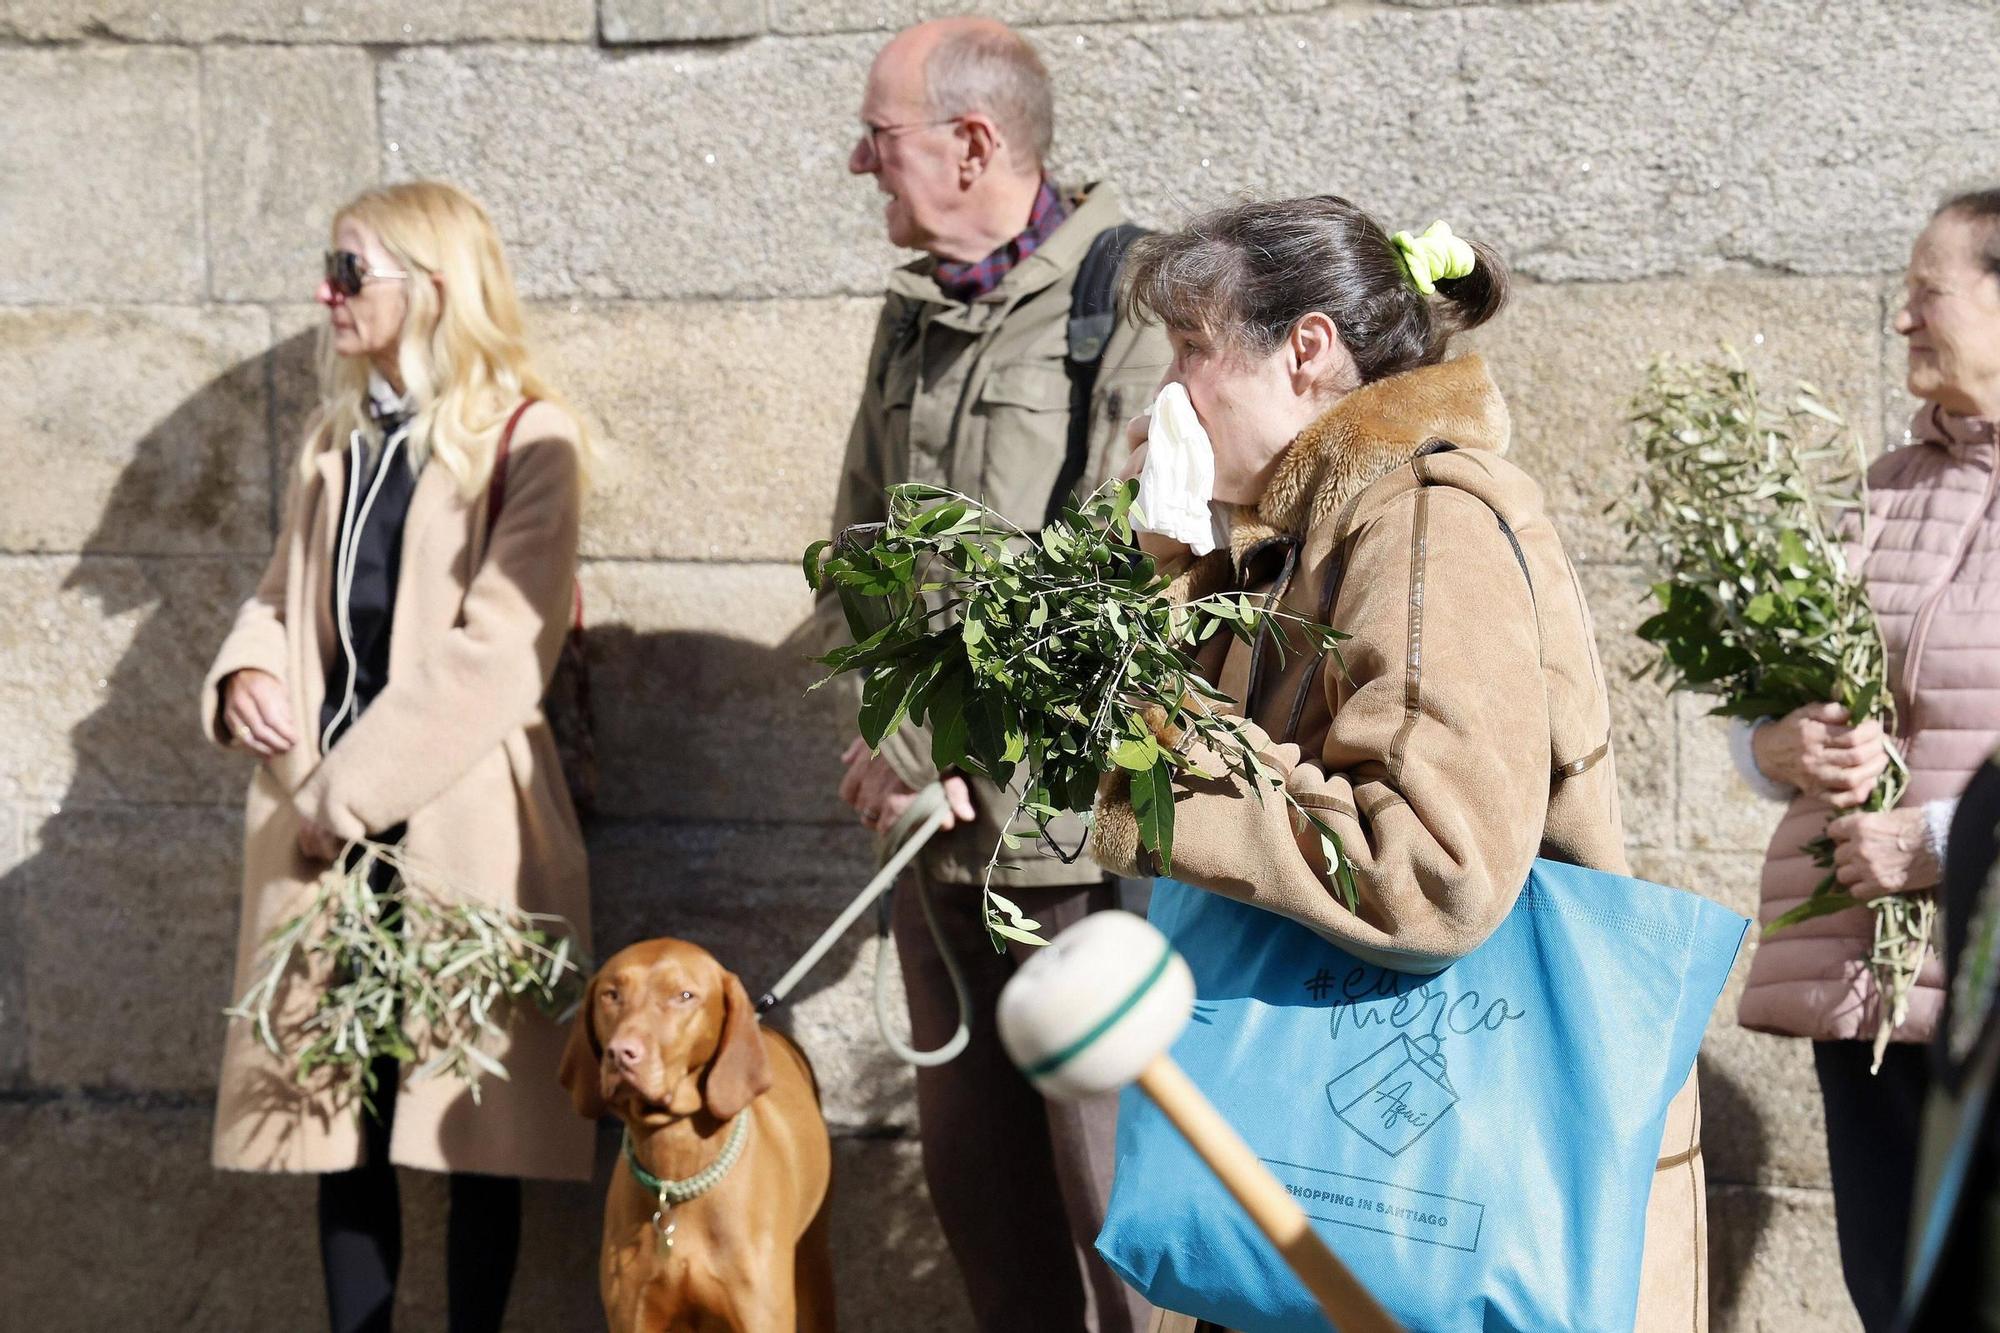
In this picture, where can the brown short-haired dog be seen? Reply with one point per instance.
(669, 1042)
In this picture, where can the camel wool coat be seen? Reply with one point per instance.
(455, 747)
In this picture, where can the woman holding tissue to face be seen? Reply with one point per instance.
(1360, 475)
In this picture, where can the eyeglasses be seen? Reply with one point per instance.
(346, 272)
(872, 134)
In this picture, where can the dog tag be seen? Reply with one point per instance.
(662, 1228)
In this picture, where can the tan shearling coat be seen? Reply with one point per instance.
(456, 747)
(1469, 734)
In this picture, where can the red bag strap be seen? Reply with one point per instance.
(496, 487)
(496, 495)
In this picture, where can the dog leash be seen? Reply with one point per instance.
(920, 820)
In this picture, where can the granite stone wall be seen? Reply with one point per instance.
(669, 176)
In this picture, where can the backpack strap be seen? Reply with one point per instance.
(1093, 317)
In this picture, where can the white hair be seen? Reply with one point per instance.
(993, 71)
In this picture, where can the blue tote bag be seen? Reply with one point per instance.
(1477, 1144)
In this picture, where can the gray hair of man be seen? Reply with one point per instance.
(993, 71)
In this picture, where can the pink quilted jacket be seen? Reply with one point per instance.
(1932, 562)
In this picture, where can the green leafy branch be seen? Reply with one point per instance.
(416, 957)
(1738, 514)
(1053, 658)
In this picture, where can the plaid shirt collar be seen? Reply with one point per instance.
(968, 281)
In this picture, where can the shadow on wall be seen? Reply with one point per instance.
(1737, 1217)
(118, 934)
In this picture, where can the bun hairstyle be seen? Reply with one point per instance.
(1247, 273)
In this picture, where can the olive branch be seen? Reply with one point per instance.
(414, 956)
(1738, 515)
(1053, 657)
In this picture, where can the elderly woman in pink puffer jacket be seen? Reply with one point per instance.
(1931, 557)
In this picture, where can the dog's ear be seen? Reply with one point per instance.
(582, 1062)
(740, 1069)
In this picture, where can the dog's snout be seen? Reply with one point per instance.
(626, 1051)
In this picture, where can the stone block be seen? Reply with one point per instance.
(1763, 1121)
(700, 680)
(555, 1285)
(98, 1186)
(290, 138)
(623, 21)
(1718, 810)
(1774, 1262)
(13, 957)
(715, 171)
(129, 931)
(375, 22)
(295, 335)
(718, 428)
(1570, 358)
(1578, 146)
(1570, 136)
(891, 1268)
(123, 1184)
(167, 456)
(756, 896)
(102, 160)
(105, 655)
(1642, 734)
(822, 16)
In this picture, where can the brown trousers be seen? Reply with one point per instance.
(1019, 1182)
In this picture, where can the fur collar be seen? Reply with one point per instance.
(1366, 436)
(1355, 443)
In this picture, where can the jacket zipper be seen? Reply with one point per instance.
(1927, 609)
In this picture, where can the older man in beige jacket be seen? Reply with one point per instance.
(976, 382)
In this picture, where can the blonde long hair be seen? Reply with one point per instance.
(463, 355)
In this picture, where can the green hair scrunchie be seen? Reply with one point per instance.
(1434, 256)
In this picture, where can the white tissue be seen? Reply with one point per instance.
(1178, 480)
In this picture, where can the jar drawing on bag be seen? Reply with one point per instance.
(1396, 1095)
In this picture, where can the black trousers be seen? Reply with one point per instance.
(1872, 1125)
(361, 1229)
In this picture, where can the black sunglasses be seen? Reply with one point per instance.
(346, 272)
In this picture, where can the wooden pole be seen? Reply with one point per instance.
(1345, 1301)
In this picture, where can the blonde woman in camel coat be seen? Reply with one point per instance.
(387, 677)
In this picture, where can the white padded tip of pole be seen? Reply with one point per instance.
(1091, 1010)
